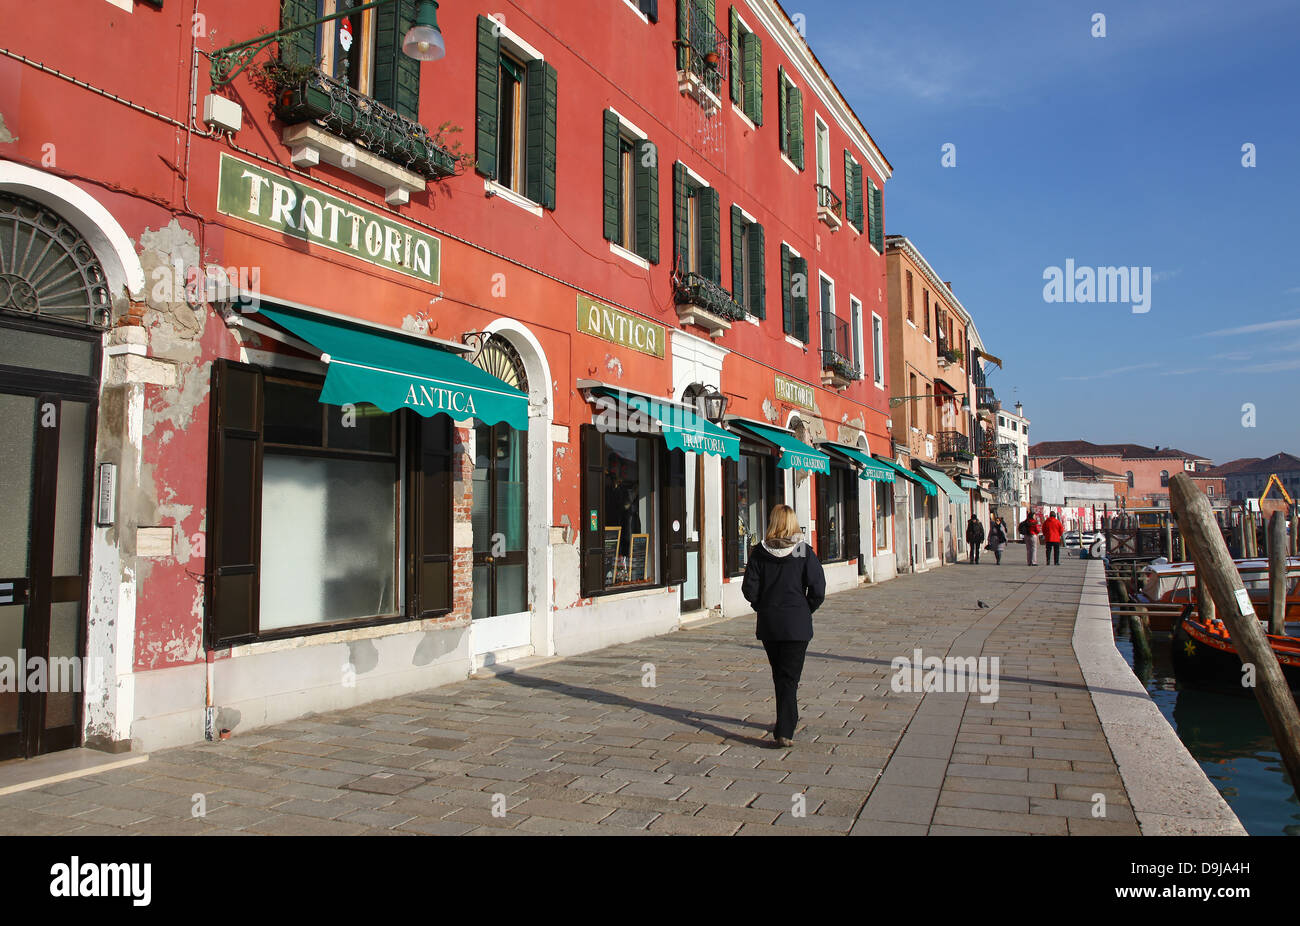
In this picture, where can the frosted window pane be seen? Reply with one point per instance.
(70, 495)
(18, 418)
(512, 589)
(328, 540)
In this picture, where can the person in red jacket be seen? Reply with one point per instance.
(1052, 531)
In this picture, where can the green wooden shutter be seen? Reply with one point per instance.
(730, 517)
(738, 256)
(710, 212)
(485, 122)
(795, 107)
(757, 278)
(877, 218)
(591, 517)
(298, 49)
(848, 189)
(857, 196)
(683, 34)
(681, 237)
(540, 88)
(752, 53)
(799, 272)
(430, 579)
(397, 77)
(782, 110)
(646, 181)
(672, 520)
(611, 175)
(651, 9)
(234, 504)
(733, 70)
(787, 300)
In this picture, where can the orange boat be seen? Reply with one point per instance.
(1203, 652)
(1175, 583)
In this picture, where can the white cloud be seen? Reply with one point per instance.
(1278, 325)
(1104, 374)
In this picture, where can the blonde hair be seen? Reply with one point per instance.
(782, 523)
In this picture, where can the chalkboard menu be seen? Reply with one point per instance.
(639, 569)
(612, 537)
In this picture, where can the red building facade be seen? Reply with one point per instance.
(406, 374)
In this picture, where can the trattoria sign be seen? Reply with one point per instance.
(794, 392)
(248, 192)
(610, 324)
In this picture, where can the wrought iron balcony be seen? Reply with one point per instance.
(830, 208)
(317, 97)
(838, 368)
(955, 445)
(702, 50)
(701, 301)
(984, 398)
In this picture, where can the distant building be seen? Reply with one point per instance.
(1078, 492)
(1013, 453)
(1146, 470)
(1247, 477)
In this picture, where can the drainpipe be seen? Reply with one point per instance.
(210, 710)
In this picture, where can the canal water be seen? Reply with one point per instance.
(1228, 736)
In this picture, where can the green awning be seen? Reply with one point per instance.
(955, 492)
(871, 470)
(682, 429)
(968, 482)
(390, 372)
(795, 454)
(929, 487)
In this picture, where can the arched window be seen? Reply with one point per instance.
(1164, 477)
(1129, 475)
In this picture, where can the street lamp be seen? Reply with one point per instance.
(898, 400)
(423, 41)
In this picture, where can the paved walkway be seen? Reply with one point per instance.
(582, 746)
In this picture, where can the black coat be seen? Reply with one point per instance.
(974, 532)
(785, 591)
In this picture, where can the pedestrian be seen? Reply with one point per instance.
(785, 584)
(1029, 531)
(974, 537)
(997, 538)
(1052, 532)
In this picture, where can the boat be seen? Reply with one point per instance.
(1175, 583)
(1204, 653)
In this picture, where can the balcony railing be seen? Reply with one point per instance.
(703, 302)
(702, 48)
(837, 351)
(955, 445)
(828, 201)
(343, 111)
(984, 398)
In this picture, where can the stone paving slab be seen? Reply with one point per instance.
(579, 746)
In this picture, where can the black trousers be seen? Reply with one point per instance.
(1053, 549)
(786, 659)
(974, 551)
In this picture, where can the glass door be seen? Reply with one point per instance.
(500, 522)
(44, 480)
(691, 595)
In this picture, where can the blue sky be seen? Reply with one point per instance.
(1117, 151)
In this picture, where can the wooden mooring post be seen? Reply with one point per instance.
(1222, 581)
(1277, 574)
(1169, 539)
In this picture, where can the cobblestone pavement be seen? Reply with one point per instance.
(582, 746)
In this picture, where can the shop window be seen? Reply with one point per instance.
(837, 514)
(749, 491)
(633, 512)
(310, 509)
(884, 507)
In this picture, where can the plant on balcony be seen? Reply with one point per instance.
(304, 93)
(703, 292)
(837, 363)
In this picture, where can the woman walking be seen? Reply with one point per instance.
(785, 584)
(1030, 529)
(997, 538)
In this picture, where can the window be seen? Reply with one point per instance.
(748, 284)
(790, 119)
(794, 294)
(853, 208)
(515, 120)
(746, 69)
(837, 514)
(352, 66)
(633, 491)
(697, 217)
(855, 331)
(823, 140)
(749, 491)
(631, 188)
(318, 517)
(878, 348)
(912, 418)
(911, 299)
(884, 508)
(925, 308)
(1164, 478)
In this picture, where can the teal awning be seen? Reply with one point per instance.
(390, 372)
(682, 429)
(871, 470)
(955, 492)
(795, 454)
(929, 487)
(968, 482)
